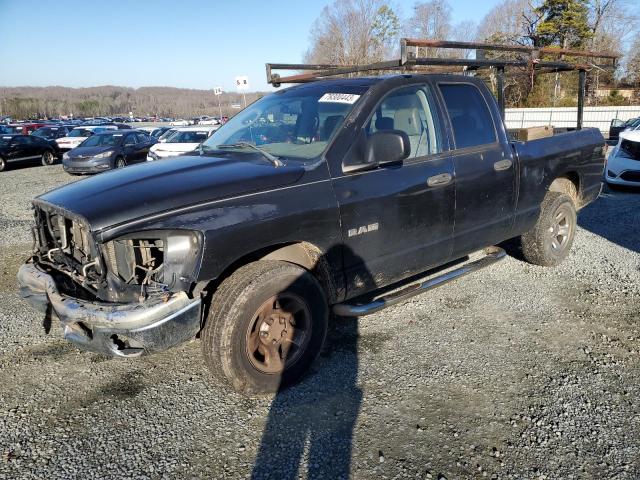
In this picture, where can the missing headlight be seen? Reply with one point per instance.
(158, 260)
(135, 260)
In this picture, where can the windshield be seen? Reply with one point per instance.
(296, 124)
(46, 132)
(80, 132)
(629, 149)
(102, 140)
(167, 134)
(188, 137)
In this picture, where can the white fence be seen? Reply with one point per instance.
(598, 117)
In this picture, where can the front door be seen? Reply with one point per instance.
(397, 220)
(485, 170)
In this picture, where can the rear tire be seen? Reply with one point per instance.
(48, 158)
(267, 324)
(548, 243)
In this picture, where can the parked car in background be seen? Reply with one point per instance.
(618, 126)
(108, 150)
(208, 121)
(182, 141)
(27, 127)
(6, 130)
(14, 148)
(79, 135)
(51, 134)
(179, 123)
(623, 164)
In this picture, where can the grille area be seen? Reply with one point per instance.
(631, 176)
(65, 243)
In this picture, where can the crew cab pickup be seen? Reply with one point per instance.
(331, 195)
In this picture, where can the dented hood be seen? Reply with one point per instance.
(118, 196)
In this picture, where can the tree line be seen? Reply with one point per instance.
(50, 102)
(363, 31)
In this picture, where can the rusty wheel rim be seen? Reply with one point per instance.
(278, 333)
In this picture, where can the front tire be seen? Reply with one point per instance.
(548, 243)
(267, 324)
(3, 164)
(120, 162)
(48, 158)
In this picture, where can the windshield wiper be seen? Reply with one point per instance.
(272, 158)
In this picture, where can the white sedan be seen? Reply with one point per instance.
(183, 140)
(179, 123)
(623, 164)
(79, 135)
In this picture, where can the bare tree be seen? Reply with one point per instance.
(431, 21)
(353, 32)
(510, 22)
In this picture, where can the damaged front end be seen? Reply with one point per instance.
(129, 296)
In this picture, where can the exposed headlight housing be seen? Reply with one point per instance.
(155, 261)
(106, 154)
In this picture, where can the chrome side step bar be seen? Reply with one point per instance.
(492, 255)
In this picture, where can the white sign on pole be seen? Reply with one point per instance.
(242, 83)
(217, 90)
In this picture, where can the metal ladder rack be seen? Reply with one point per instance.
(410, 62)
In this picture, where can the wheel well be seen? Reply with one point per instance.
(568, 183)
(303, 254)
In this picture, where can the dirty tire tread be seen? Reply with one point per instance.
(225, 313)
(226, 294)
(533, 241)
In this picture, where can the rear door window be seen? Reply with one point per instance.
(469, 114)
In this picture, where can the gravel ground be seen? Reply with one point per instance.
(516, 372)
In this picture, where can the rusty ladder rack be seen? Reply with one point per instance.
(409, 60)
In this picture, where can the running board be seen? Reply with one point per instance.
(492, 255)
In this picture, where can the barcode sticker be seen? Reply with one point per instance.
(339, 98)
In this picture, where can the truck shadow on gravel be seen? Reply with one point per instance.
(310, 425)
(614, 217)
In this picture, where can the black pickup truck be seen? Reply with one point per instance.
(345, 194)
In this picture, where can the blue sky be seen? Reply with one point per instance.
(181, 43)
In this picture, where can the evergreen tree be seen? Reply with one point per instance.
(565, 23)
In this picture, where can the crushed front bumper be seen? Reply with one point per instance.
(123, 330)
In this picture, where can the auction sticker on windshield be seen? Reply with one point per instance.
(339, 98)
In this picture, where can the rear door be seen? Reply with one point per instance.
(131, 148)
(22, 148)
(142, 147)
(484, 167)
(397, 220)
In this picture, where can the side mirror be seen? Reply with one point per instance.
(382, 148)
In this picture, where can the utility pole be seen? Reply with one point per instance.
(217, 91)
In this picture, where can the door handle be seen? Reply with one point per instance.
(439, 180)
(502, 165)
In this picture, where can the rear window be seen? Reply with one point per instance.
(470, 116)
(188, 137)
(102, 141)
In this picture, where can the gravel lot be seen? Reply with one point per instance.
(516, 372)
